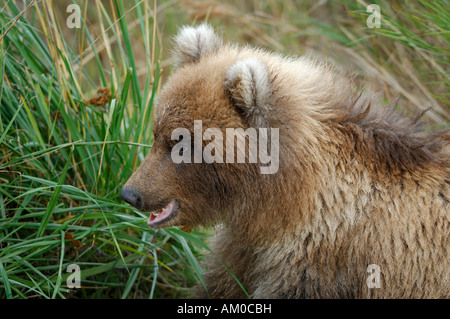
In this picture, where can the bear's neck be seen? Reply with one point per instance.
(319, 186)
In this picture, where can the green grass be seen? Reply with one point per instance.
(63, 162)
(64, 157)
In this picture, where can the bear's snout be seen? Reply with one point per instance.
(131, 197)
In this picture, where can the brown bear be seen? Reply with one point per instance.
(356, 207)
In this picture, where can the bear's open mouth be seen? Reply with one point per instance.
(163, 215)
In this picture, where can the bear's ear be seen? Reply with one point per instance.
(248, 87)
(191, 43)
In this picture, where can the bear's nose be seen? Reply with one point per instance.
(131, 197)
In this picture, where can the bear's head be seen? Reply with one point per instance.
(224, 87)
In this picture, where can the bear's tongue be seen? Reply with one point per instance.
(161, 214)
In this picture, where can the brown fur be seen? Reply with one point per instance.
(358, 184)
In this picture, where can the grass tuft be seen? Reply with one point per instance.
(74, 125)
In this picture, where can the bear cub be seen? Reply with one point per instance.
(315, 189)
